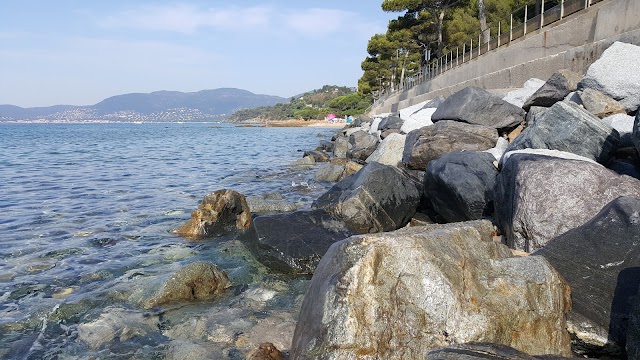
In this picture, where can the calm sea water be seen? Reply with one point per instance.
(86, 213)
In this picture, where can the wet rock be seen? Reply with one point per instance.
(294, 242)
(264, 205)
(461, 185)
(116, 325)
(362, 145)
(518, 97)
(477, 106)
(431, 142)
(318, 156)
(539, 197)
(568, 127)
(559, 85)
(223, 211)
(196, 281)
(604, 274)
(305, 161)
(266, 351)
(389, 152)
(329, 172)
(377, 198)
(599, 104)
(401, 294)
(615, 74)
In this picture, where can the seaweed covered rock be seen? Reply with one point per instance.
(223, 211)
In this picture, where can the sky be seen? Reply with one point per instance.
(78, 52)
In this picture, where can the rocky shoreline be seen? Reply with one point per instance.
(473, 227)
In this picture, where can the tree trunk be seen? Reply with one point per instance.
(483, 22)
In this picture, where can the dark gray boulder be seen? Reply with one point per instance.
(376, 198)
(390, 122)
(534, 113)
(362, 145)
(483, 351)
(477, 106)
(294, 242)
(539, 197)
(559, 85)
(601, 262)
(460, 185)
(633, 331)
(325, 145)
(635, 135)
(625, 167)
(568, 127)
(340, 147)
(430, 142)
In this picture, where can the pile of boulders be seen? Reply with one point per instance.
(550, 170)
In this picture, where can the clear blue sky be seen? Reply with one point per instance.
(79, 52)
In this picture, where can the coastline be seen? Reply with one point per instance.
(295, 123)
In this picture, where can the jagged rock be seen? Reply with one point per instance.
(294, 242)
(431, 142)
(601, 262)
(483, 351)
(116, 323)
(266, 351)
(196, 281)
(477, 106)
(392, 121)
(534, 113)
(568, 127)
(223, 211)
(340, 147)
(599, 104)
(389, 152)
(559, 85)
(401, 294)
(318, 156)
(539, 197)
(623, 124)
(460, 185)
(262, 205)
(376, 198)
(615, 74)
(518, 97)
(362, 145)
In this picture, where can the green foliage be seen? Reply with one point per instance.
(316, 104)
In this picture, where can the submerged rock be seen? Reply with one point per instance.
(114, 326)
(223, 211)
(266, 351)
(196, 281)
(401, 294)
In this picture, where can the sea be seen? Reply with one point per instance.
(86, 219)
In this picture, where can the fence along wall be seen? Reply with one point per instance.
(571, 43)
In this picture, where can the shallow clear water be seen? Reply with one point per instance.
(86, 213)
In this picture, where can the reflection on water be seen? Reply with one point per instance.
(87, 212)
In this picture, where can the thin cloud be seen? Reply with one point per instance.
(318, 21)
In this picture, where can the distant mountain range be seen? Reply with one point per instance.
(170, 106)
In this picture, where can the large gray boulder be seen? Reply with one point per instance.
(392, 121)
(599, 104)
(559, 85)
(568, 127)
(539, 197)
(294, 243)
(460, 185)
(341, 146)
(402, 294)
(389, 152)
(616, 74)
(376, 198)
(604, 275)
(431, 142)
(222, 211)
(477, 106)
(362, 145)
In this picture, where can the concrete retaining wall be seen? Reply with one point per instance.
(572, 43)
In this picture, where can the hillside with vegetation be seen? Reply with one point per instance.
(316, 104)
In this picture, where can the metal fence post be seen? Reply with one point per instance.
(463, 51)
(586, 4)
(561, 9)
(525, 20)
(479, 43)
(498, 34)
(489, 42)
(471, 51)
(511, 28)
(542, 15)
(457, 55)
